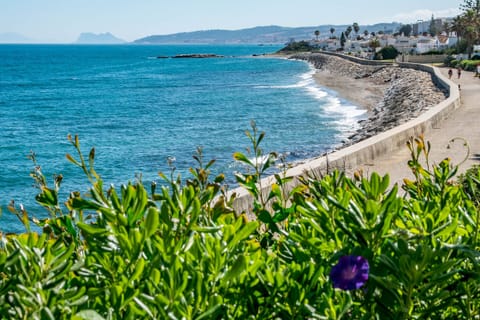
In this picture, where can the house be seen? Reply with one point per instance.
(426, 44)
(404, 44)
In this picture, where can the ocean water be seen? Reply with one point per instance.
(137, 111)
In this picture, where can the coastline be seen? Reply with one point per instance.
(392, 95)
(418, 99)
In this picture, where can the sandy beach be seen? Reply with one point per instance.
(363, 92)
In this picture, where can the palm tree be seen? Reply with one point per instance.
(317, 33)
(348, 31)
(471, 5)
(356, 28)
(467, 27)
(332, 31)
(446, 28)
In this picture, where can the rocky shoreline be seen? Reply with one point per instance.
(401, 94)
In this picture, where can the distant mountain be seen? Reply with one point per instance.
(12, 37)
(100, 38)
(265, 34)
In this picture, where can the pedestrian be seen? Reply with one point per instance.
(450, 72)
(459, 72)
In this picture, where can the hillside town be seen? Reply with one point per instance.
(436, 36)
(422, 37)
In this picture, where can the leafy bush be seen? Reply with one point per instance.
(470, 180)
(432, 52)
(330, 248)
(388, 52)
(469, 65)
(450, 61)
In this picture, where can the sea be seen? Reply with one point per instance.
(145, 112)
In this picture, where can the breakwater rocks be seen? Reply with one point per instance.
(192, 56)
(407, 92)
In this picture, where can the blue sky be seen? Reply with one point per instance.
(61, 21)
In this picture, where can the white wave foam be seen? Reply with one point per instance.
(307, 82)
(346, 114)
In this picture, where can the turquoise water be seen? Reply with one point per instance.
(137, 111)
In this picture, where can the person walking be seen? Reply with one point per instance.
(450, 72)
(459, 72)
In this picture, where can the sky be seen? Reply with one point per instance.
(61, 21)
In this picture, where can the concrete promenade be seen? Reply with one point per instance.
(463, 123)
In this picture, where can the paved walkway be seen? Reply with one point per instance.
(463, 123)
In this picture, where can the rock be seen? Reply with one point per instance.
(198, 55)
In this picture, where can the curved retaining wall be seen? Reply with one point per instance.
(368, 149)
(357, 60)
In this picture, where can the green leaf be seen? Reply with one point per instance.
(151, 222)
(87, 315)
(47, 197)
(238, 156)
(265, 217)
(139, 266)
(91, 229)
(238, 266)
(209, 314)
(72, 160)
(244, 233)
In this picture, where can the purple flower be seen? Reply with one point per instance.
(351, 272)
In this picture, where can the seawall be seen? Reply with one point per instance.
(366, 150)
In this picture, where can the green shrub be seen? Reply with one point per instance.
(388, 52)
(453, 63)
(469, 65)
(181, 252)
(470, 180)
(450, 61)
(432, 52)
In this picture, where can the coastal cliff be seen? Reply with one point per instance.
(396, 95)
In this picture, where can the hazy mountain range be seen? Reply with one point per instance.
(267, 34)
(12, 37)
(256, 35)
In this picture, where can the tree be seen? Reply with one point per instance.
(432, 28)
(468, 5)
(343, 39)
(406, 29)
(388, 52)
(332, 31)
(348, 31)
(467, 26)
(446, 28)
(317, 33)
(356, 28)
(374, 44)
